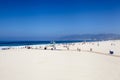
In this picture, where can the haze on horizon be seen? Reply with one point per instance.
(47, 19)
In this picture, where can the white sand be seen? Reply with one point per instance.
(62, 64)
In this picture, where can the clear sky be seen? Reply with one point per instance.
(45, 19)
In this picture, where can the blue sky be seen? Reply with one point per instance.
(47, 19)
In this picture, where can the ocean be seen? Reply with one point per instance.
(24, 43)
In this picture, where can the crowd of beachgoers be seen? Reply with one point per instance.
(103, 47)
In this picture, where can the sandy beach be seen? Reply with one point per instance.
(74, 61)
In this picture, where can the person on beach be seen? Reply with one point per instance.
(28, 47)
(111, 52)
(90, 49)
(51, 48)
(45, 48)
(54, 48)
(67, 48)
(78, 49)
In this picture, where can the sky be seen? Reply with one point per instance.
(48, 19)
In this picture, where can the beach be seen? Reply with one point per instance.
(73, 61)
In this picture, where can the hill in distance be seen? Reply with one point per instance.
(91, 37)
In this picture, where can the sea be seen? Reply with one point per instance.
(24, 43)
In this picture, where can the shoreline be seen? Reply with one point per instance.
(28, 43)
(71, 42)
